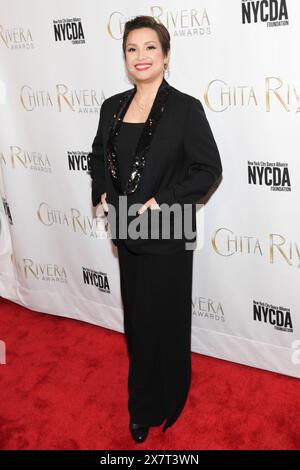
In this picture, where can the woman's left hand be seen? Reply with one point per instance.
(151, 203)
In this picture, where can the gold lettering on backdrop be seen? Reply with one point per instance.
(219, 96)
(274, 91)
(287, 250)
(15, 37)
(27, 158)
(228, 96)
(81, 100)
(74, 98)
(41, 270)
(226, 243)
(207, 305)
(115, 16)
(181, 23)
(48, 216)
(75, 220)
(180, 18)
(33, 99)
(234, 243)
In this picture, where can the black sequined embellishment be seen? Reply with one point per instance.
(144, 141)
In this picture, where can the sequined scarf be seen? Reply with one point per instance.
(144, 141)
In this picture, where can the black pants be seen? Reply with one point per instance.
(157, 299)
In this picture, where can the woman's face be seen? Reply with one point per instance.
(143, 47)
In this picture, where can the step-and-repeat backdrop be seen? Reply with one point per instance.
(59, 61)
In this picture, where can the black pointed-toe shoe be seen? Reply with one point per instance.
(139, 432)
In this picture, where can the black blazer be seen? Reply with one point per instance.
(176, 161)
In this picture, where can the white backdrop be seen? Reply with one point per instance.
(240, 58)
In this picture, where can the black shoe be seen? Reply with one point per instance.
(139, 432)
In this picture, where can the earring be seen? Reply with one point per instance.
(166, 68)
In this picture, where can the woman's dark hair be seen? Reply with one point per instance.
(147, 22)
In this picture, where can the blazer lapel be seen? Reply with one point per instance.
(144, 141)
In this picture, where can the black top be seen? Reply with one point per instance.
(126, 143)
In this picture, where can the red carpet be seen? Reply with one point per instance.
(65, 387)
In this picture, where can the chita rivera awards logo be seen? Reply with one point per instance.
(16, 38)
(21, 158)
(272, 95)
(207, 309)
(181, 23)
(62, 98)
(276, 248)
(34, 160)
(270, 12)
(40, 271)
(72, 219)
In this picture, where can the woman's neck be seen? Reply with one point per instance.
(146, 91)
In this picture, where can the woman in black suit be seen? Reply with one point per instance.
(154, 152)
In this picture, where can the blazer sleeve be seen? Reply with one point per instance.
(203, 159)
(97, 164)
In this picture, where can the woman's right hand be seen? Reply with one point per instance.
(104, 203)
